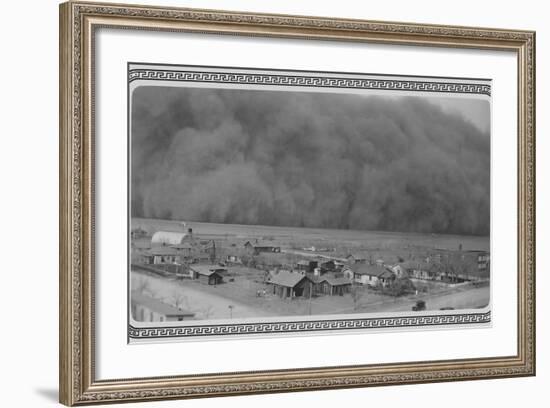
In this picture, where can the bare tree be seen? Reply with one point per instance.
(179, 300)
(207, 311)
(142, 285)
(356, 295)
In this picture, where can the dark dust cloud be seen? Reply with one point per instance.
(307, 160)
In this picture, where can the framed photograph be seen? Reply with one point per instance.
(256, 203)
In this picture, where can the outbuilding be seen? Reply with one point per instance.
(147, 309)
(208, 274)
(331, 285)
(289, 284)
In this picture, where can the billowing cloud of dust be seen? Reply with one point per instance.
(307, 159)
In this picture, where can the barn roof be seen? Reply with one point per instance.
(158, 306)
(168, 238)
(287, 278)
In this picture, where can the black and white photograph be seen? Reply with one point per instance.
(284, 201)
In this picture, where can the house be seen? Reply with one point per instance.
(233, 259)
(137, 233)
(289, 284)
(372, 275)
(184, 249)
(331, 285)
(347, 273)
(208, 274)
(147, 309)
(356, 259)
(160, 256)
(327, 266)
(257, 247)
(306, 265)
(400, 270)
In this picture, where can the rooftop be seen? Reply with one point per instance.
(286, 278)
(207, 270)
(366, 269)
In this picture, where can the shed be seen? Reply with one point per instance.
(208, 274)
(147, 309)
(331, 285)
(290, 284)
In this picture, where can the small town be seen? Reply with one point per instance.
(181, 272)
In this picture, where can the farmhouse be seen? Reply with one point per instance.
(420, 270)
(347, 273)
(356, 259)
(185, 249)
(306, 266)
(372, 275)
(288, 284)
(208, 274)
(147, 309)
(327, 266)
(160, 256)
(257, 247)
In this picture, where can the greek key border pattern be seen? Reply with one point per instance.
(307, 326)
(273, 79)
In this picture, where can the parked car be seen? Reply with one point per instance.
(420, 305)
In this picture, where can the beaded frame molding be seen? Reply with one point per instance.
(78, 23)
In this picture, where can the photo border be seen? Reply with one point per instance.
(153, 74)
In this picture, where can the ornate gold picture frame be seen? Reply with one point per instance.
(79, 23)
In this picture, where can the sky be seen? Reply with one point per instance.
(325, 160)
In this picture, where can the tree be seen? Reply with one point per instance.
(399, 287)
(179, 300)
(356, 295)
(142, 285)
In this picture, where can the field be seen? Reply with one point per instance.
(246, 293)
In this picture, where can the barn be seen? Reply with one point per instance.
(162, 238)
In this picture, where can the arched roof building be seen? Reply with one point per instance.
(168, 238)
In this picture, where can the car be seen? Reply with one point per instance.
(420, 305)
(447, 308)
